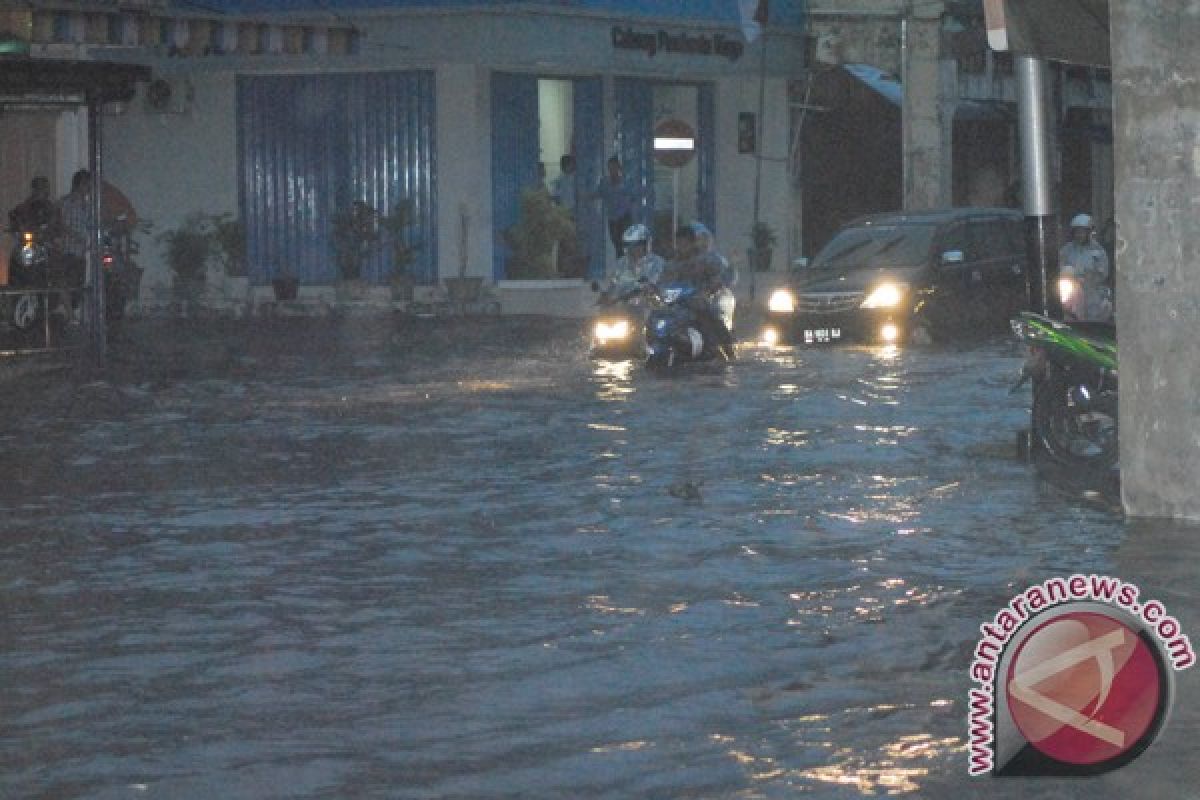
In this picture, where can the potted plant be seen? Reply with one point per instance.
(463, 289)
(536, 237)
(355, 234)
(286, 287)
(229, 247)
(229, 243)
(398, 226)
(762, 243)
(188, 248)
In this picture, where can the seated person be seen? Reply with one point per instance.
(638, 264)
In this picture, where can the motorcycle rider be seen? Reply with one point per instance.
(639, 262)
(699, 268)
(724, 301)
(39, 214)
(37, 211)
(118, 221)
(1084, 260)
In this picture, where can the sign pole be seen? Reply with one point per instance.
(758, 144)
(674, 205)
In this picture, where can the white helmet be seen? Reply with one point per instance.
(636, 234)
(1081, 221)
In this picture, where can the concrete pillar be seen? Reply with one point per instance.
(926, 134)
(1157, 161)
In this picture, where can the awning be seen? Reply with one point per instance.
(1074, 31)
(882, 82)
(23, 79)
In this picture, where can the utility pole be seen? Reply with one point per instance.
(1041, 232)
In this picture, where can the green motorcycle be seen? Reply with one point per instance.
(1073, 367)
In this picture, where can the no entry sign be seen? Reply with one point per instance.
(674, 143)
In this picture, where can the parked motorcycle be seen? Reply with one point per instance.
(1073, 366)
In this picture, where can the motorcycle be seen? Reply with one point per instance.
(1073, 366)
(30, 268)
(1074, 299)
(121, 274)
(674, 330)
(617, 327)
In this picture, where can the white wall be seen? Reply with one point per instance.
(736, 171)
(464, 168)
(171, 165)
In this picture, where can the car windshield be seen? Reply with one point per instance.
(873, 246)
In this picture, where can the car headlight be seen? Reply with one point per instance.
(782, 302)
(616, 329)
(885, 295)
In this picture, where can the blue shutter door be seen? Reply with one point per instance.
(514, 155)
(309, 145)
(706, 201)
(589, 160)
(635, 114)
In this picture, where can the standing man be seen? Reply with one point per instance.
(1084, 262)
(564, 184)
(617, 197)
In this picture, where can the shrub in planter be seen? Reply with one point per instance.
(188, 248)
(355, 233)
(762, 244)
(535, 239)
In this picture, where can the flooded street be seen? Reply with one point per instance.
(373, 559)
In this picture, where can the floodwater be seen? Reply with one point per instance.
(382, 559)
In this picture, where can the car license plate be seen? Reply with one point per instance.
(822, 335)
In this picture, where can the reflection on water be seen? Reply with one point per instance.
(524, 575)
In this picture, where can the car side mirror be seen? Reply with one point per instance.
(952, 257)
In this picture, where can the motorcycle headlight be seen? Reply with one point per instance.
(614, 329)
(885, 295)
(1067, 287)
(782, 301)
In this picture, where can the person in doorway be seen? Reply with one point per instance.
(617, 197)
(564, 184)
(1083, 261)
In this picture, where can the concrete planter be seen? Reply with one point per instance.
(556, 298)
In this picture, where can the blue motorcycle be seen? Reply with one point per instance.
(675, 331)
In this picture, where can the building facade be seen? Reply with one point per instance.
(287, 117)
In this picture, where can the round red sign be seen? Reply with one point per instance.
(674, 142)
(1084, 688)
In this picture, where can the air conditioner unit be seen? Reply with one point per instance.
(168, 96)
